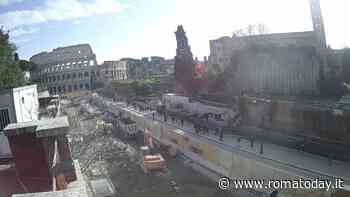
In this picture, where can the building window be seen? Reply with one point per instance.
(74, 75)
(22, 100)
(68, 76)
(81, 86)
(87, 86)
(80, 75)
(86, 73)
(58, 77)
(63, 77)
(4, 118)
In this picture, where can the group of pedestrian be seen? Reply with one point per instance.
(199, 129)
(174, 120)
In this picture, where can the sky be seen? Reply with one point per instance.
(144, 28)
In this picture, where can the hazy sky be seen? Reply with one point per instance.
(141, 28)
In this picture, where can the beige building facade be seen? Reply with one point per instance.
(279, 63)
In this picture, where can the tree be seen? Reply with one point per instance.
(16, 57)
(26, 65)
(250, 34)
(251, 30)
(11, 75)
(346, 64)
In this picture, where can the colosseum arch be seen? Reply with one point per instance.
(61, 59)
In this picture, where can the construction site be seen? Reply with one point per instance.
(104, 152)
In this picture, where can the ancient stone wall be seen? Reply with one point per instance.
(222, 49)
(67, 69)
(276, 70)
(297, 117)
(64, 54)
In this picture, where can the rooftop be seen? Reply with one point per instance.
(24, 87)
(127, 121)
(272, 35)
(42, 128)
(74, 189)
(46, 94)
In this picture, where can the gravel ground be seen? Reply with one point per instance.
(105, 154)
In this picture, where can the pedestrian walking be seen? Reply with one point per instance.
(222, 135)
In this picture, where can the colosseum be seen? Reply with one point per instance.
(66, 69)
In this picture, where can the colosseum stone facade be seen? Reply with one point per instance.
(66, 69)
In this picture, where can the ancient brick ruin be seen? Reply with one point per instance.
(184, 64)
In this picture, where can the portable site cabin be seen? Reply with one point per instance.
(128, 127)
(17, 105)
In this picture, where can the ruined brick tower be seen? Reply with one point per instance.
(184, 64)
(317, 21)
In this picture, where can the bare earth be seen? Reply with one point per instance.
(102, 154)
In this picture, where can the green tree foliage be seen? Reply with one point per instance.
(123, 88)
(26, 65)
(11, 74)
(346, 64)
(130, 88)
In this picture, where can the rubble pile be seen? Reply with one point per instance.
(90, 144)
(102, 154)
